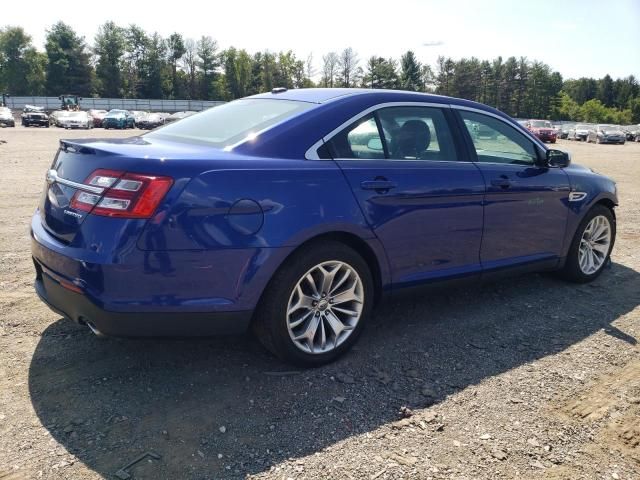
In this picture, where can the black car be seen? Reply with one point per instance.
(32, 115)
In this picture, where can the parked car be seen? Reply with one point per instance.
(56, 117)
(150, 121)
(564, 130)
(607, 134)
(630, 132)
(6, 117)
(178, 116)
(579, 132)
(635, 132)
(97, 116)
(294, 212)
(76, 119)
(32, 115)
(137, 115)
(543, 130)
(118, 119)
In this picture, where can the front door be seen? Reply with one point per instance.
(525, 211)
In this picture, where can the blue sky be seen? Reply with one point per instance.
(577, 38)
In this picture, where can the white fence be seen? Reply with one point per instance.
(154, 105)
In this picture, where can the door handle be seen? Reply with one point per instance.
(502, 182)
(378, 185)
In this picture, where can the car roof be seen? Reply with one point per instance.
(324, 95)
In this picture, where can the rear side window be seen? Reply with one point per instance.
(232, 122)
(497, 142)
(396, 133)
(359, 140)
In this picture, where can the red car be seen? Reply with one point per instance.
(542, 129)
(98, 116)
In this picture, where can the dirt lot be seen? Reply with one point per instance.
(526, 378)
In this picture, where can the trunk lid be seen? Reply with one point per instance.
(71, 166)
(76, 160)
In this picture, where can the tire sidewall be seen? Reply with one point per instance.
(572, 266)
(277, 295)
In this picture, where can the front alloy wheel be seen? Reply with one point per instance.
(591, 246)
(594, 245)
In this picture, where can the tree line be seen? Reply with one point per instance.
(132, 63)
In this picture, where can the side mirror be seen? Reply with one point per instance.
(558, 159)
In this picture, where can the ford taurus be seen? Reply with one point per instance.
(293, 212)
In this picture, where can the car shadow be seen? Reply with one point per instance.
(223, 408)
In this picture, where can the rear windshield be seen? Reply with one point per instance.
(230, 123)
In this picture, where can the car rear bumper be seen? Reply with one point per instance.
(59, 296)
(144, 293)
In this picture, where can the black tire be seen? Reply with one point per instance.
(270, 320)
(571, 270)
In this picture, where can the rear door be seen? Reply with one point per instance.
(417, 191)
(526, 205)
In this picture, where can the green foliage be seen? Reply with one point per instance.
(410, 73)
(132, 63)
(381, 73)
(68, 69)
(109, 48)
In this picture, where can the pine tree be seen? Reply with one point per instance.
(410, 73)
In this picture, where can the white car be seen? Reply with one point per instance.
(76, 120)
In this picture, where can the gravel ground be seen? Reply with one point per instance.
(525, 378)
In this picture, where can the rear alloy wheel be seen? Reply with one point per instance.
(325, 307)
(316, 305)
(591, 246)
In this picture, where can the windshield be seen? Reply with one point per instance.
(582, 127)
(609, 128)
(116, 113)
(540, 124)
(77, 115)
(232, 122)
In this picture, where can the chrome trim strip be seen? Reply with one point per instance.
(311, 153)
(52, 177)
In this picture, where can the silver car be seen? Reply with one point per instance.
(607, 134)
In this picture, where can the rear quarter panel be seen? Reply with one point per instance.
(261, 204)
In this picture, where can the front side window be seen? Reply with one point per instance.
(497, 142)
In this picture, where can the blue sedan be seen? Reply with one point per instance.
(293, 212)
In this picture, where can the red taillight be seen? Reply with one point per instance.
(126, 195)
